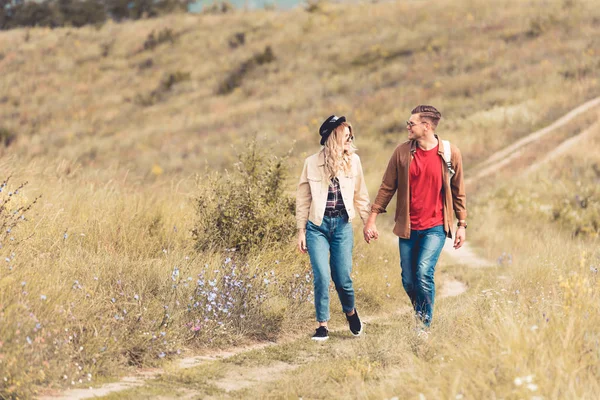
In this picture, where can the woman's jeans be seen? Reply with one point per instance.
(418, 256)
(333, 238)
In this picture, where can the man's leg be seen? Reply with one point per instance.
(342, 242)
(408, 258)
(318, 249)
(430, 246)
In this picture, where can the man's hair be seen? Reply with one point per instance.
(428, 113)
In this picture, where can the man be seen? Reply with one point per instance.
(427, 195)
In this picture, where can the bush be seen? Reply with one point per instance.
(234, 80)
(7, 136)
(219, 7)
(165, 85)
(163, 36)
(79, 13)
(246, 209)
(238, 39)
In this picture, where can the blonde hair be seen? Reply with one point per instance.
(337, 159)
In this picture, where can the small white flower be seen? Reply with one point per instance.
(532, 386)
(518, 381)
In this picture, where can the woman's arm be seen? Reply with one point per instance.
(303, 199)
(361, 194)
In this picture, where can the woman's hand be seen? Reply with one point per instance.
(302, 241)
(370, 231)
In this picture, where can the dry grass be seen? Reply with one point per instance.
(119, 176)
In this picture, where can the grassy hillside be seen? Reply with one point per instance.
(114, 128)
(94, 96)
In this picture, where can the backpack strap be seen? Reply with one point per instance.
(448, 157)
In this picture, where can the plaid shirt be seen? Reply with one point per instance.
(335, 202)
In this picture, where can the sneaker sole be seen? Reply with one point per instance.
(362, 329)
(320, 339)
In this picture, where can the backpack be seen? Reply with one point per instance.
(447, 157)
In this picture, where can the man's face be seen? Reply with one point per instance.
(416, 127)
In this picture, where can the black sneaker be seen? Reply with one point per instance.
(355, 324)
(321, 334)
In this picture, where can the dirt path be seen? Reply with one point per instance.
(564, 147)
(238, 378)
(512, 152)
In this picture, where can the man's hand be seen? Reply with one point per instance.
(302, 241)
(370, 232)
(460, 237)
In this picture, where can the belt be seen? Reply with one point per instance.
(336, 213)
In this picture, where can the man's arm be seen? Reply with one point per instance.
(387, 189)
(459, 198)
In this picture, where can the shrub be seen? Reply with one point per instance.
(234, 80)
(219, 7)
(163, 36)
(7, 136)
(315, 6)
(246, 209)
(165, 85)
(238, 39)
(11, 215)
(13, 209)
(79, 13)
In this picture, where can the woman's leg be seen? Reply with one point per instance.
(317, 241)
(342, 242)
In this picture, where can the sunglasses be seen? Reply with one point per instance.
(411, 124)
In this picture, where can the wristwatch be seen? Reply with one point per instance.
(463, 224)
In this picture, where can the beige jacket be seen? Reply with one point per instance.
(312, 191)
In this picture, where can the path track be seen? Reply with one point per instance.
(451, 287)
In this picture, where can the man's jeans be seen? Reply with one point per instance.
(418, 256)
(334, 236)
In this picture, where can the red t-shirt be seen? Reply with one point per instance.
(426, 207)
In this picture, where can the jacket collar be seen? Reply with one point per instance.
(413, 146)
(321, 159)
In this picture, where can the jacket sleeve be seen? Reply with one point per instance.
(303, 199)
(457, 186)
(361, 194)
(388, 187)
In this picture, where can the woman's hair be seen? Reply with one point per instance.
(336, 158)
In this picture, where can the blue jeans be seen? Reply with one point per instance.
(418, 256)
(330, 250)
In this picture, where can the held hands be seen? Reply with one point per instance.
(370, 232)
(460, 237)
(302, 241)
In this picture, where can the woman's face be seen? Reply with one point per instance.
(347, 139)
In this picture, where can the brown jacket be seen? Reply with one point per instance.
(396, 179)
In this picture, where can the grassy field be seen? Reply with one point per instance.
(117, 133)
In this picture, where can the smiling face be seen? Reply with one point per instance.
(347, 138)
(416, 127)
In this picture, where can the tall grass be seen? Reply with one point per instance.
(100, 278)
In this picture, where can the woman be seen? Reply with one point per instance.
(331, 191)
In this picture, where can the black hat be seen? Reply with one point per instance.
(328, 126)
